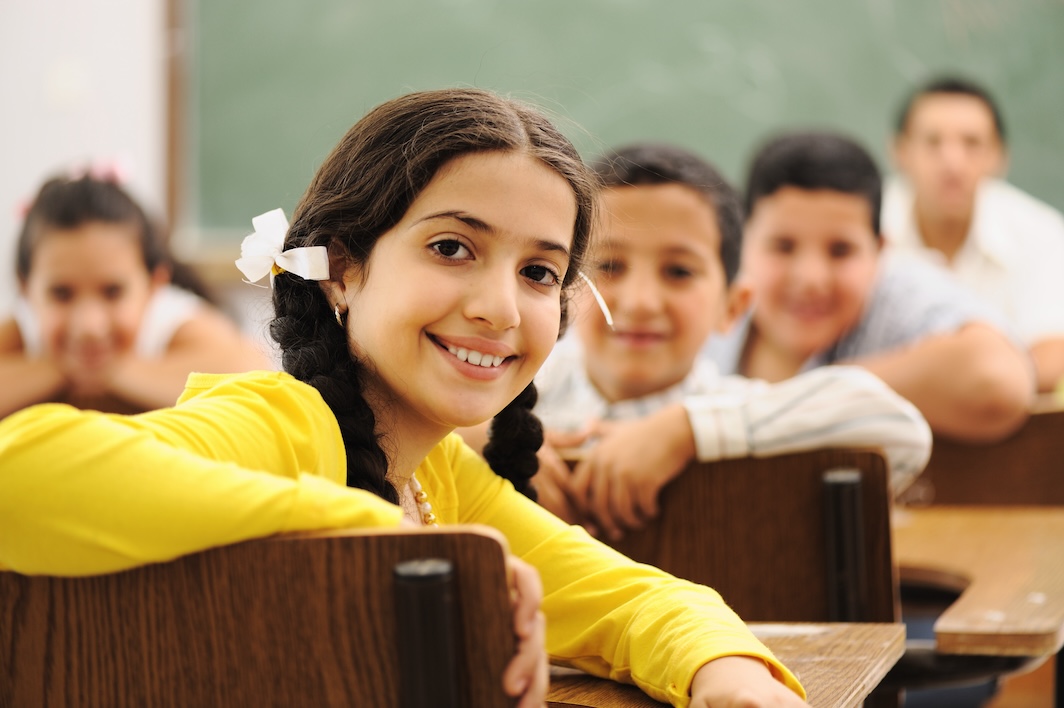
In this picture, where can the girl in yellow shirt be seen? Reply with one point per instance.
(418, 289)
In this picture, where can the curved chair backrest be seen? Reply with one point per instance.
(779, 538)
(296, 620)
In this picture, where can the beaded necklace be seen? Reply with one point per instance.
(422, 501)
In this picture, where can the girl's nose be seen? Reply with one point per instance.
(89, 320)
(492, 299)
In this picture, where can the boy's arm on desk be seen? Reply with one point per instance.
(832, 406)
(973, 384)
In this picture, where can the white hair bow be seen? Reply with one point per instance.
(261, 254)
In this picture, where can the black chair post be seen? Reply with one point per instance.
(426, 613)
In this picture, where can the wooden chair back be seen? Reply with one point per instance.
(295, 620)
(1027, 468)
(759, 531)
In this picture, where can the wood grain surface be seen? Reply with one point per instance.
(308, 621)
(838, 664)
(1009, 563)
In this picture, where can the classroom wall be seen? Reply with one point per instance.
(273, 84)
(80, 80)
(87, 78)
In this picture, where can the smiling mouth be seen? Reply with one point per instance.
(471, 356)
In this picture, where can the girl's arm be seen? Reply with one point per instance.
(606, 614)
(207, 343)
(26, 381)
(83, 493)
(972, 384)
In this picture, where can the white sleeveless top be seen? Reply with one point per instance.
(168, 309)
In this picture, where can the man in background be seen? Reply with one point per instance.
(950, 205)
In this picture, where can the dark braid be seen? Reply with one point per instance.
(314, 350)
(362, 190)
(513, 440)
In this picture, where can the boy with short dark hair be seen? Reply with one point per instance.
(824, 295)
(665, 261)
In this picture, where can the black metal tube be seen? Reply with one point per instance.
(427, 615)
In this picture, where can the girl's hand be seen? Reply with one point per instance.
(740, 682)
(88, 379)
(528, 674)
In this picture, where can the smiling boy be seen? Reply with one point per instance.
(824, 295)
(665, 260)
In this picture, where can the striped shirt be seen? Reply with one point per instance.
(732, 416)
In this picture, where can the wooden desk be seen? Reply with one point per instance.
(1007, 561)
(839, 665)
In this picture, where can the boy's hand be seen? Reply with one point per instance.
(552, 481)
(618, 482)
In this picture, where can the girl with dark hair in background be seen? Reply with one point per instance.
(106, 318)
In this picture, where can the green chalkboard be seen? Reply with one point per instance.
(274, 84)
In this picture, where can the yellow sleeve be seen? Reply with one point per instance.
(606, 614)
(83, 493)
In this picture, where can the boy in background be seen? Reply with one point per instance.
(824, 295)
(950, 206)
(637, 393)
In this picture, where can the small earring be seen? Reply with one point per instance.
(339, 317)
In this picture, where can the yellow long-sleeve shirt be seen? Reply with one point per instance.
(249, 455)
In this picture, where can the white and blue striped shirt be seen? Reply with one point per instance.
(732, 416)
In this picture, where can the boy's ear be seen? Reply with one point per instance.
(737, 302)
(160, 276)
(1003, 163)
(897, 152)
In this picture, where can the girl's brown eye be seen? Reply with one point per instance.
(540, 274)
(451, 249)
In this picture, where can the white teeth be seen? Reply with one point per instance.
(476, 358)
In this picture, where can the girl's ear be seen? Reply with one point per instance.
(334, 292)
(738, 299)
(335, 288)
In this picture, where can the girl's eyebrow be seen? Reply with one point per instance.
(486, 228)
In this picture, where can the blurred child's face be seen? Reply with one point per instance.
(460, 302)
(657, 264)
(809, 257)
(88, 288)
(949, 146)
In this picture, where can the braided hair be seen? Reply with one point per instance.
(362, 190)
